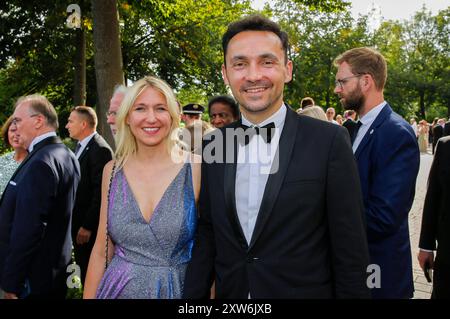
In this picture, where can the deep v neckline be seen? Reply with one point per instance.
(160, 200)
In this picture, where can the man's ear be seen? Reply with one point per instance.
(368, 82)
(40, 121)
(224, 74)
(288, 72)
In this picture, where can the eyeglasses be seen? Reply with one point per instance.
(341, 82)
(15, 121)
(111, 113)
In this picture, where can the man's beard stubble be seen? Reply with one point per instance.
(354, 101)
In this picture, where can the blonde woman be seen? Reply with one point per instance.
(151, 213)
(314, 111)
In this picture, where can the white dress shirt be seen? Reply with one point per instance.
(84, 142)
(256, 161)
(367, 121)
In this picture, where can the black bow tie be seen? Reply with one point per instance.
(265, 131)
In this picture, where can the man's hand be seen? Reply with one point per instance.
(83, 236)
(426, 257)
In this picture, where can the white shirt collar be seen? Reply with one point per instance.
(84, 142)
(38, 139)
(367, 121)
(370, 116)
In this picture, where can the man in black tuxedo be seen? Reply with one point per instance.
(36, 207)
(93, 152)
(281, 214)
(436, 222)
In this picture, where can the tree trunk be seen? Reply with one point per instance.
(422, 103)
(108, 58)
(79, 86)
(327, 95)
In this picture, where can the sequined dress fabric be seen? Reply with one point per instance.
(150, 258)
(7, 168)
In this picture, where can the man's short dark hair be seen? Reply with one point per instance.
(254, 23)
(227, 100)
(88, 114)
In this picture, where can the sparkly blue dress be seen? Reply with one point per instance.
(150, 259)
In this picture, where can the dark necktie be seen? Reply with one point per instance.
(265, 131)
(77, 148)
(355, 130)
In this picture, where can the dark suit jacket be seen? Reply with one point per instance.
(436, 213)
(35, 216)
(350, 125)
(309, 239)
(86, 211)
(388, 161)
(447, 128)
(438, 132)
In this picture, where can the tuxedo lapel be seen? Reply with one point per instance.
(230, 187)
(275, 180)
(385, 112)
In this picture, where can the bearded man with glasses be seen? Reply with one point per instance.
(386, 150)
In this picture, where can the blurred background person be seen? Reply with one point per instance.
(191, 113)
(350, 122)
(315, 112)
(222, 110)
(330, 115)
(10, 161)
(438, 132)
(307, 102)
(114, 104)
(422, 138)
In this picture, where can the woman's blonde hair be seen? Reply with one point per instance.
(126, 144)
(314, 111)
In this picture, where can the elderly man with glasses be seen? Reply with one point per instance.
(36, 207)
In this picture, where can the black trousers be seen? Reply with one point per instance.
(441, 279)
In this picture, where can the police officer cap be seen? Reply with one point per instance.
(193, 109)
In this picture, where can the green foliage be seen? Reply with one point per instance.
(316, 39)
(324, 5)
(37, 55)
